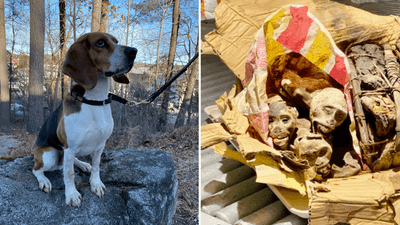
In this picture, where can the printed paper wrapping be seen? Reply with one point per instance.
(291, 29)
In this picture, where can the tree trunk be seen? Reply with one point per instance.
(74, 20)
(158, 52)
(104, 14)
(171, 57)
(96, 15)
(190, 111)
(56, 97)
(4, 92)
(127, 22)
(62, 43)
(36, 66)
(53, 78)
(11, 57)
(61, 6)
(186, 102)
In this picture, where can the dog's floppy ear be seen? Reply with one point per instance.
(79, 66)
(121, 79)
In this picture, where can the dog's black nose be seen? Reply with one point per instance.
(131, 52)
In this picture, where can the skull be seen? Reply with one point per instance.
(315, 149)
(328, 110)
(282, 123)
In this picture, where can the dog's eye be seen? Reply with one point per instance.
(100, 43)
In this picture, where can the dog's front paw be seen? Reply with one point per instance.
(73, 197)
(85, 167)
(45, 184)
(97, 187)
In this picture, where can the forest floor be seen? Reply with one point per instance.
(181, 143)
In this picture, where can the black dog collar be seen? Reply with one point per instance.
(79, 97)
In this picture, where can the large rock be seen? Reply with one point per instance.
(141, 189)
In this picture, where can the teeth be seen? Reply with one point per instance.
(324, 129)
(280, 137)
(280, 141)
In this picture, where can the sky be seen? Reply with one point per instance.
(143, 36)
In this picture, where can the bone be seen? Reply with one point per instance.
(393, 73)
(363, 127)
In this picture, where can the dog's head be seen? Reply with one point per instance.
(98, 53)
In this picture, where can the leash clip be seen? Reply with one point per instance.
(130, 103)
(133, 103)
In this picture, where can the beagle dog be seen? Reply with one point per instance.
(82, 123)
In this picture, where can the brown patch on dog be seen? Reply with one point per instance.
(100, 56)
(121, 79)
(62, 136)
(80, 66)
(85, 59)
(38, 155)
(70, 106)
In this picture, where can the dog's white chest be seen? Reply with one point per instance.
(89, 129)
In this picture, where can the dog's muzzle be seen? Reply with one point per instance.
(130, 54)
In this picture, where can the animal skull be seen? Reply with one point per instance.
(315, 149)
(282, 123)
(328, 110)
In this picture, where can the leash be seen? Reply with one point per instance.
(153, 96)
(150, 99)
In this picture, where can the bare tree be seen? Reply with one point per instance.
(13, 12)
(164, 7)
(127, 22)
(50, 41)
(12, 17)
(36, 66)
(171, 59)
(60, 77)
(96, 15)
(74, 19)
(180, 120)
(140, 14)
(4, 94)
(104, 14)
